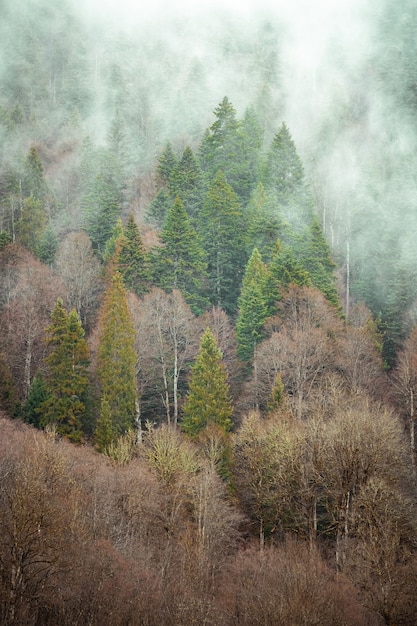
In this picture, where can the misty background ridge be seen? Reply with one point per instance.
(343, 79)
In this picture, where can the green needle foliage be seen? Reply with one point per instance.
(222, 227)
(254, 306)
(181, 262)
(67, 380)
(132, 260)
(208, 400)
(116, 366)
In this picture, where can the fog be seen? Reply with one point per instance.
(340, 74)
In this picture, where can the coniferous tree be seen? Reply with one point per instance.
(283, 176)
(32, 224)
(283, 170)
(33, 183)
(102, 199)
(167, 164)
(254, 306)
(132, 261)
(285, 269)
(265, 223)
(188, 182)
(180, 263)
(159, 207)
(38, 394)
(316, 258)
(223, 230)
(116, 362)
(67, 378)
(47, 246)
(8, 397)
(225, 147)
(208, 400)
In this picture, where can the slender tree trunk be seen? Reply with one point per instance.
(347, 278)
(138, 422)
(412, 430)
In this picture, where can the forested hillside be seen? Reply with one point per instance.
(208, 346)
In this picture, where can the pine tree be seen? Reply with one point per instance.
(67, 378)
(116, 363)
(180, 263)
(254, 307)
(132, 261)
(208, 400)
(222, 227)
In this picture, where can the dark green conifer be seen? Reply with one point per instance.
(116, 363)
(222, 227)
(67, 378)
(208, 400)
(132, 261)
(180, 263)
(254, 306)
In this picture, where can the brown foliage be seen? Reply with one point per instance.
(30, 300)
(291, 584)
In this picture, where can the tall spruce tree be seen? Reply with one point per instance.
(102, 199)
(67, 378)
(132, 261)
(285, 269)
(254, 306)
(225, 147)
(188, 182)
(208, 400)
(116, 362)
(222, 226)
(181, 261)
(315, 256)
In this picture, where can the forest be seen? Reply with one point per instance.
(208, 316)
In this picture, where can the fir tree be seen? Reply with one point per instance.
(167, 164)
(188, 182)
(47, 246)
(106, 432)
(34, 184)
(32, 224)
(102, 199)
(223, 230)
(116, 364)
(265, 224)
(285, 269)
(67, 378)
(254, 307)
(283, 170)
(180, 263)
(316, 259)
(159, 207)
(208, 400)
(227, 148)
(132, 261)
(38, 394)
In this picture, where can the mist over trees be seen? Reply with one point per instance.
(208, 333)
